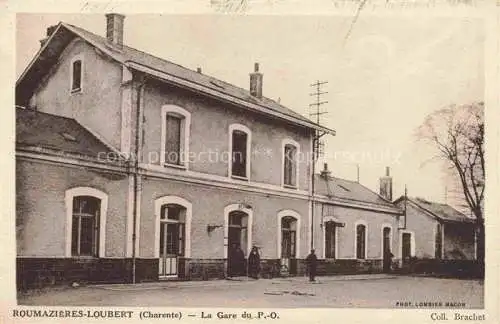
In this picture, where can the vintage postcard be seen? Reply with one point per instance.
(252, 161)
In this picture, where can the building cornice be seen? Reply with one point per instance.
(191, 177)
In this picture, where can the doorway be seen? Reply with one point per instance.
(172, 239)
(288, 245)
(237, 243)
(386, 249)
(330, 240)
(406, 248)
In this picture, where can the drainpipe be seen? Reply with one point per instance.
(138, 130)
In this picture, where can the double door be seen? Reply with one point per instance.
(171, 248)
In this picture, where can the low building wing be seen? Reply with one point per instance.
(38, 130)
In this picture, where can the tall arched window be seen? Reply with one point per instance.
(240, 139)
(361, 235)
(76, 74)
(290, 167)
(176, 123)
(86, 218)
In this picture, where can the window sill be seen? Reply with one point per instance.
(239, 178)
(175, 166)
(84, 258)
(76, 91)
(290, 187)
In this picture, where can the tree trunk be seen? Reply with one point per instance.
(480, 243)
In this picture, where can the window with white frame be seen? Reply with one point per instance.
(175, 136)
(239, 145)
(361, 241)
(290, 163)
(85, 226)
(76, 74)
(86, 221)
(330, 240)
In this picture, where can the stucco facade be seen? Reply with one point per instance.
(184, 221)
(97, 106)
(42, 214)
(455, 242)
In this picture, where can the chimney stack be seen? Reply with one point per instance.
(49, 32)
(325, 173)
(198, 69)
(386, 185)
(114, 29)
(256, 82)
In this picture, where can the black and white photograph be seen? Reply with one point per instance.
(243, 161)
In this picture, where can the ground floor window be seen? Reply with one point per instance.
(85, 226)
(361, 241)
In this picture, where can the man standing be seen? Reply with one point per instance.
(311, 265)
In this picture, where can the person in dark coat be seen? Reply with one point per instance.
(312, 261)
(236, 261)
(254, 263)
(388, 260)
(239, 261)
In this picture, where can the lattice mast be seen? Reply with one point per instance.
(318, 146)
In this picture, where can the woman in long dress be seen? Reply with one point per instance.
(254, 263)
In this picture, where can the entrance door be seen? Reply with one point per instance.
(330, 240)
(171, 240)
(288, 245)
(406, 247)
(386, 249)
(237, 244)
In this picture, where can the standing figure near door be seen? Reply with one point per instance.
(388, 260)
(236, 261)
(312, 261)
(254, 263)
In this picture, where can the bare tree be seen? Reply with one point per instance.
(457, 133)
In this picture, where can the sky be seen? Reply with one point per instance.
(383, 79)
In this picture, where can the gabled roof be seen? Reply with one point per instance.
(160, 68)
(36, 129)
(443, 212)
(342, 190)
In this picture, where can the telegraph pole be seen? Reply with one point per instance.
(318, 146)
(316, 114)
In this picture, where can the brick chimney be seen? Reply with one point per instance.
(386, 185)
(114, 29)
(256, 82)
(49, 32)
(325, 173)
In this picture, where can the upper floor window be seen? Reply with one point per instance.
(360, 241)
(175, 136)
(290, 163)
(239, 145)
(76, 74)
(86, 213)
